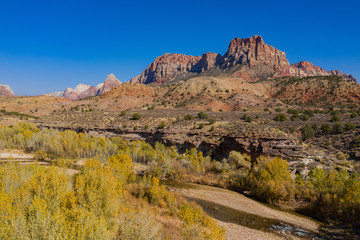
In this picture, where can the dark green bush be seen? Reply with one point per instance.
(304, 117)
(202, 115)
(189, 117)
(326, 128)
(307, 132)
(280, 117)
(247, 118)
(335, 118)
(338, 127)
(349, 126)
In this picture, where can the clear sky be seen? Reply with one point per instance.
(49, 45)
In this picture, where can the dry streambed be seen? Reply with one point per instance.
(244, 218)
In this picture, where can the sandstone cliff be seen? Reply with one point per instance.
(166, 67)
(253, 52)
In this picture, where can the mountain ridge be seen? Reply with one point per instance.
(252, 56)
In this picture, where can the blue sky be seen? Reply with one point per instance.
(46, 46)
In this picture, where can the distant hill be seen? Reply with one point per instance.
(85, 90)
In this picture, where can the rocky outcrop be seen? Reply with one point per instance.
(110, 82)
(208, 61)
(5, 90)
(307, 69)
(166, 68)
(85, 90)
(253, 52)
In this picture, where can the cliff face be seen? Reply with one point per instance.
(5, 90)
(257, 60)
(253, 52)
(167, 67)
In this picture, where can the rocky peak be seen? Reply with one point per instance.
(80, 91)
(253, 52)
(110, 82)
(5, 90)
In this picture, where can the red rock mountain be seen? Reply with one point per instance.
(253, 52)
(5, 90)
(250, 58)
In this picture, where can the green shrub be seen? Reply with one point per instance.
(280, 117)
(349, 126)
(357, 142)
(247, 118)
(335, 118)
(309, 112)
(338, 127)
(304, 117)
(326, 128)
(162, 125)
(202, 115)
(307, 132)
(212, 120)
(136, 116)
(188, 117)
(353, 115)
